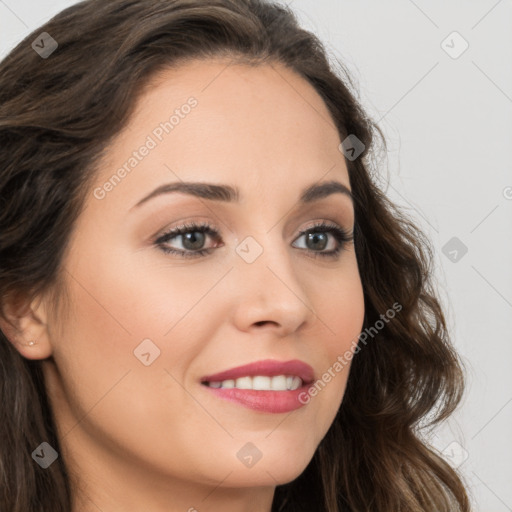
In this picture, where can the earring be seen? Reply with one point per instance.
(31, 343)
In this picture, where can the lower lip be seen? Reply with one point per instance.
(264, 401)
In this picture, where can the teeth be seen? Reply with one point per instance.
(278, 383)
(296, 383)
(261, 383)
(243, 383)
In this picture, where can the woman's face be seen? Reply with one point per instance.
(146, 326)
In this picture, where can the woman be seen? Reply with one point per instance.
(194, 258)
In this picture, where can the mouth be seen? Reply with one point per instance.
(260, 383)
(267, 386)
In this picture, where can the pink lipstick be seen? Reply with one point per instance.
(268, 386)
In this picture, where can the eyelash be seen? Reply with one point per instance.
(341, 236)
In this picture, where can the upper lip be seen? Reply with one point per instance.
(268, 367)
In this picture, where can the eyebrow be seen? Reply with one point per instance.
(227, 193)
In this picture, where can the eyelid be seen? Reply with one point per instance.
(211, 230)
(323, 223)
(187, 226)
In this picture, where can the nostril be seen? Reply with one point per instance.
(263, 322)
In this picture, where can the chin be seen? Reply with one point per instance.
(274, 469)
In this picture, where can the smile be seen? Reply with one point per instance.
(261, 383)
(267, 386)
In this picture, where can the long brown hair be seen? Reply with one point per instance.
(57, 116)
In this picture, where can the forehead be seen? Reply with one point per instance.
(217, 120)
(225, 83)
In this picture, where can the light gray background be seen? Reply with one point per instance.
(448, 124)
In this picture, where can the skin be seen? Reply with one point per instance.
(151, 437)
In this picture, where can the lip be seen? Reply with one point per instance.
(264, 401)
(266, 367)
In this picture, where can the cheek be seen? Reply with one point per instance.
(124, 316)
(122, 301)
(339, 306)
(108, 390)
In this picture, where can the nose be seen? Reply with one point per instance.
(270, 294)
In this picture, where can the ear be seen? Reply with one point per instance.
(24, 322)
